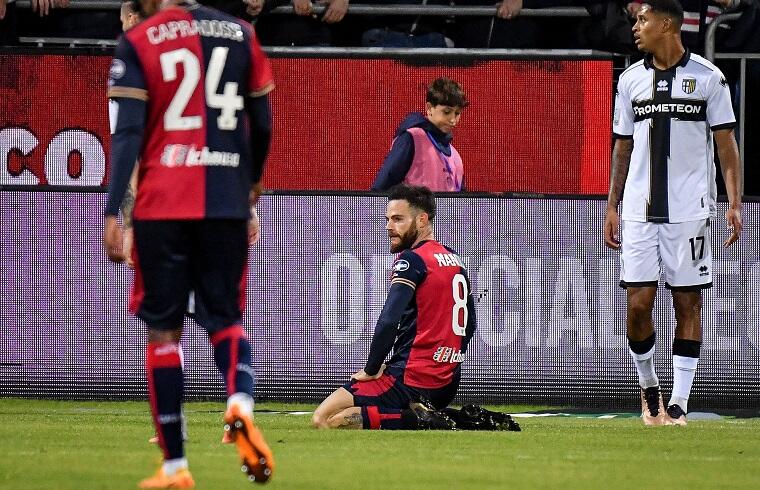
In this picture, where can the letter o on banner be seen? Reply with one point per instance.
(342, 305)
(60, 149)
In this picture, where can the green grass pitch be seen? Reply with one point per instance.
(83, 445)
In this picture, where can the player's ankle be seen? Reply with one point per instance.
(243, 401)
(172, 466)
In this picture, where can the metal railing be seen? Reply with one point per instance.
(367, 9)
(442, 11)
(742, 57)
(712, 29)
(711, 55)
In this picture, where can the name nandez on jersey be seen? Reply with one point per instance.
(186, 28)
(189, 156)
(664, 107)
(448, 354)
(448, 260)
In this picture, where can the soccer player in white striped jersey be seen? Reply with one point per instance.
(669, 108)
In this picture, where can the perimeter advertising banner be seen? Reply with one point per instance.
(551, 317)
(531, 126)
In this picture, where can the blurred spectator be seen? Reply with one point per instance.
(235, 8)
(505, 30)
(422, 153)
(9, 17)
(609, 27)
(306, 28)
(8, 32)
(71, 23)
(44, 7)
(744, 33)
(408, 31)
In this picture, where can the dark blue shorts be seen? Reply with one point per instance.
(173, 257)
(386, 391)
(390, 391)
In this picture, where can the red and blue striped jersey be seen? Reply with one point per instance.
(435, 326)
(195, 67)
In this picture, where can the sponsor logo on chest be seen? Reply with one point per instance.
(448, 355)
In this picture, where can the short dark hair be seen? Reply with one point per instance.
(445, 91)
(671, 8)
(132, 6)
(417, 196)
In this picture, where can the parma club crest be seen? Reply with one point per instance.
(689, 85)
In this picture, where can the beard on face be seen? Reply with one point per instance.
(406, 240)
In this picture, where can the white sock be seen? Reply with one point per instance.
(683, 376)
(645, 368)
(171, 466)
(242, 400)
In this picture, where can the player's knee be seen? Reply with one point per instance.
(639, 313)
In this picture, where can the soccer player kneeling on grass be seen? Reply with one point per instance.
(428, 319)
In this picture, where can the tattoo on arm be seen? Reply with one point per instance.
(621, 161)
(127, 206)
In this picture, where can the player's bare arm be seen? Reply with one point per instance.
(113, 239)
(621, 160)
(728, 154)
(128, 203)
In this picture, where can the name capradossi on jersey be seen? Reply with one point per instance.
(196, 70)
(671, 114)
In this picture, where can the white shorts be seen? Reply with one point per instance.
(681, 251)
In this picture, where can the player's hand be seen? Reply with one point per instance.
(113, 239)
(362, 376)
(336, 10)
(254, 7)
(303, 7)
(611, 223)
(734, 222)
(253, 196)
(254, 227)
(42, 6)
(129, 236)
(2, 9)
(509, 9)
(61, 3)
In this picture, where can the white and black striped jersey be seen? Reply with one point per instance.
(671, 114)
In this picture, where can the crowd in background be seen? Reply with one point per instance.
(607, 28)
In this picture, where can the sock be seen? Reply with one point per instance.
(165, 387)
(642, 352)
(388, 418)
(172, 466)
(685, 360)
(232, 354)
(242, 400)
